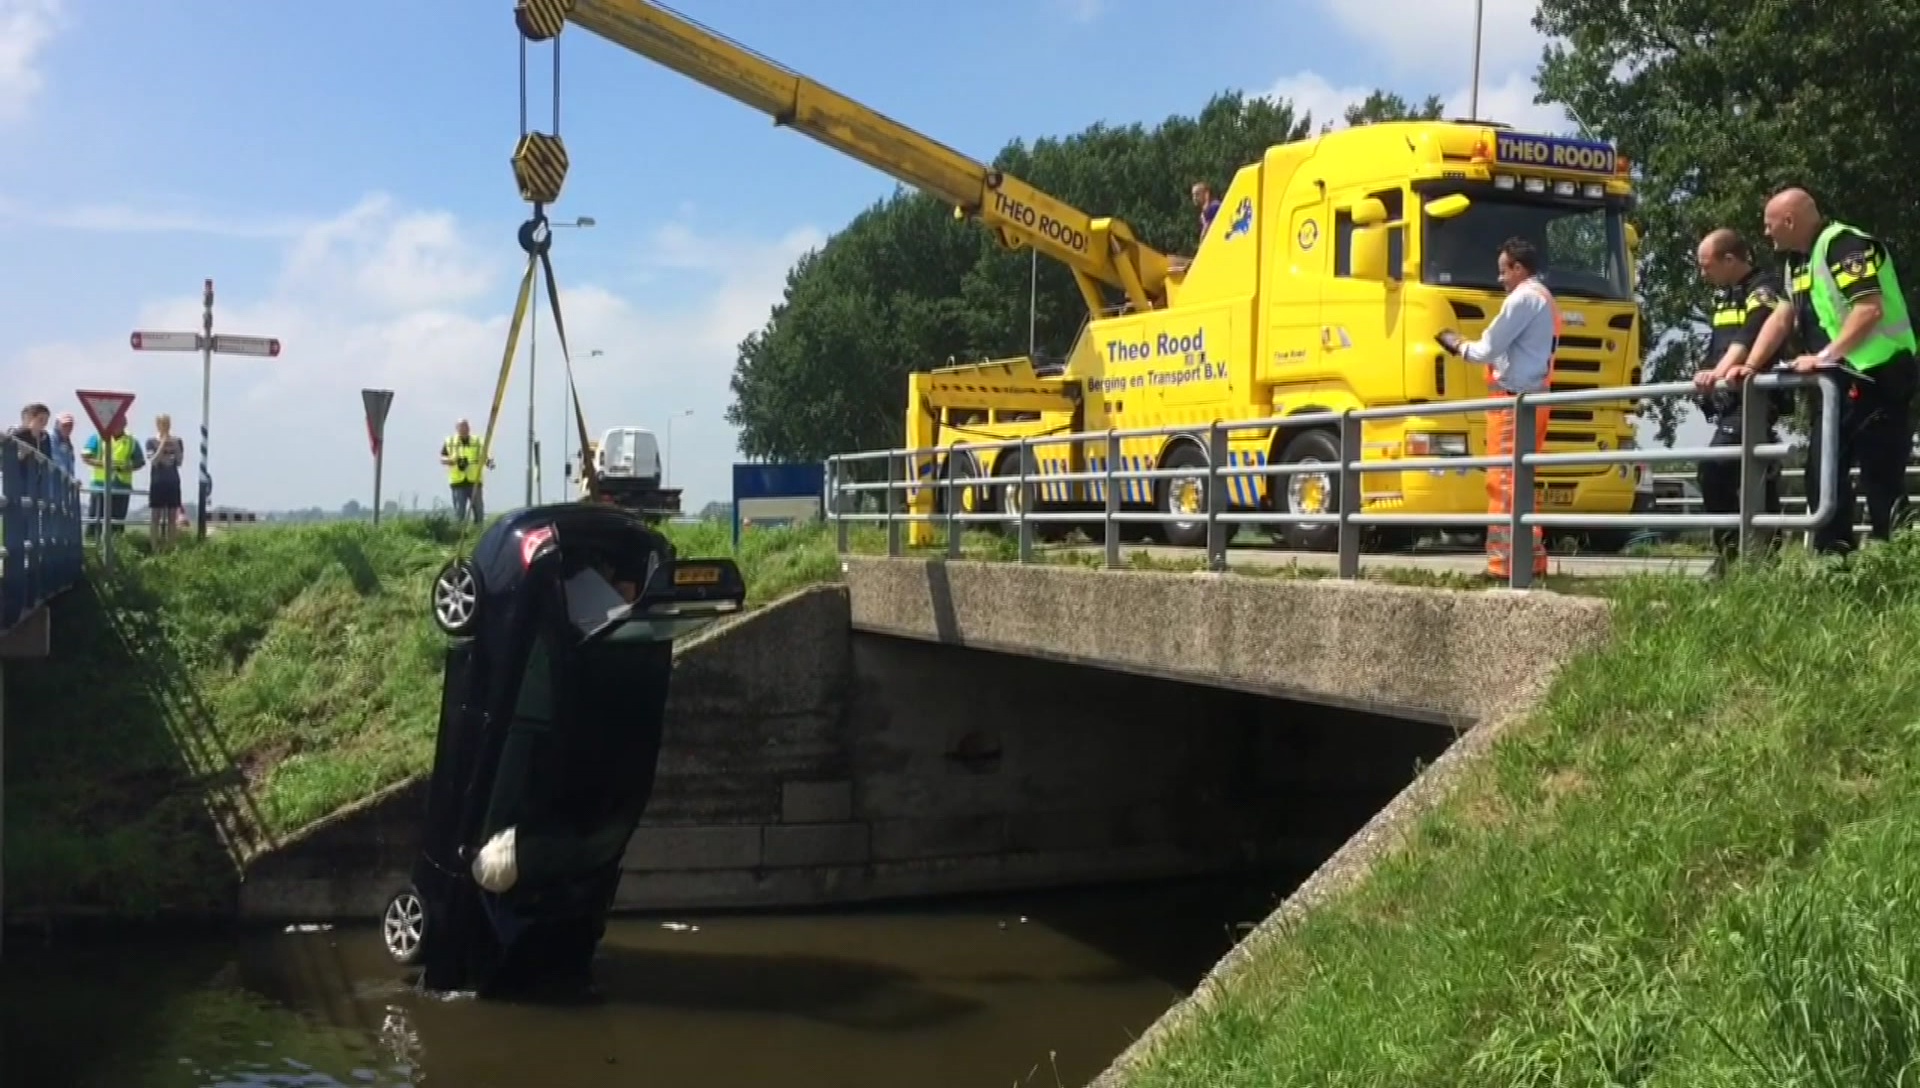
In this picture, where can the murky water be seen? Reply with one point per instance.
(1038, 989)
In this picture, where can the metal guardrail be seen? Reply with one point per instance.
(1788, 502)
(40, 535)
(903, 478)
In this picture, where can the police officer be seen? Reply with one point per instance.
(1847, 299)
(1744, 297)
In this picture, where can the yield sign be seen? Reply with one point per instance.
(107, 410)
(377, 401)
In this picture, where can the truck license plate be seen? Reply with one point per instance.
(1553, 495)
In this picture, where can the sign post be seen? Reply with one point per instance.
(208, 345)
(108, 411)
(377, 401)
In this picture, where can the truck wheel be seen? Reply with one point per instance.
(1184, 496)
(1009, 497)
(403, 926)
(1311, 492)
(456, 597)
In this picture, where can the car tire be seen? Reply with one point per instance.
(404, 926)
(456, 598)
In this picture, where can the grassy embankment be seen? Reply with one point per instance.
(1696, 866)
(203, 702)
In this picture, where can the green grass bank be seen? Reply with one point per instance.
(1697, 865)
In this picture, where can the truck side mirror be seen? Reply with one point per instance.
(1448, 206)
(1369, 257)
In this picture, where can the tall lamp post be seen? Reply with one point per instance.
(666, 479)
(533, 357)
(1473, 99)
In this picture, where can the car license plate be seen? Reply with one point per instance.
(1553, 495)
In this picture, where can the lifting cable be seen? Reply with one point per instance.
(540, 169)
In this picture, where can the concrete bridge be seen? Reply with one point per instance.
(941, 727)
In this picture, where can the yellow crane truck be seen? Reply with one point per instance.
(1318, 287)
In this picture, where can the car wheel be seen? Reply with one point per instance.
(456, 597)
(403, 926)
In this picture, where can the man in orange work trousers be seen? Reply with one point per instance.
(1517, 349)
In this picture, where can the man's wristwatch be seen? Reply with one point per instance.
(1825, 356)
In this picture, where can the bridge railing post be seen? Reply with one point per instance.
(1348, 481)
(1520, 544)
(894, 461)
(840, 497)
(1027, 492)
(1113, 501)
(1217, 527)
(1753, 471)
(13, 530)
(954, 524)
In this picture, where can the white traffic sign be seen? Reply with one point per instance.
(166, 341)
(108, 411)
(227, 344)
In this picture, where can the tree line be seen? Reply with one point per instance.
(1716, 106)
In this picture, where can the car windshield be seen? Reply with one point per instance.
(1583, 246)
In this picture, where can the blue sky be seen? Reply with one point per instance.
(340, 171)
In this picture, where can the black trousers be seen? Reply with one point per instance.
(1876, 435)
(1720, 487)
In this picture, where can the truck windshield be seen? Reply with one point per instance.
(1583, 246)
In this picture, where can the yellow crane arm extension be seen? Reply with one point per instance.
(1099, 251)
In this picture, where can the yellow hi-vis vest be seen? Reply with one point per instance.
(470, 449)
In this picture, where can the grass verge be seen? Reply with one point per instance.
(1695, 867)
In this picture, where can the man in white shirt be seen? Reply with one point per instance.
(1517, 349)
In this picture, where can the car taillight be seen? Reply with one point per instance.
(533, 542)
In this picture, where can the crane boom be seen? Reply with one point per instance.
(1100, 251)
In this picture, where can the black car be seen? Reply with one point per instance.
(562, 623)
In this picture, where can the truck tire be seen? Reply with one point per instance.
(1183, 497)
(1310, 493)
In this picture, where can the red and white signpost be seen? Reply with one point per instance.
(208, 345)
(108, 411)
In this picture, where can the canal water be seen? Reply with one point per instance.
(1037, 989)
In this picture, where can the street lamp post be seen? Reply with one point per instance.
(533, 358)
(666, 479)
(1473, 99)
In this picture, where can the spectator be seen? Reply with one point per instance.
(62, 436)
(165, 451)
(461, 455)
(1208, 204)
(127, 459)
(29, 438)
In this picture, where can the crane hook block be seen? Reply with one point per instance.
(540, 167)
(540, 20)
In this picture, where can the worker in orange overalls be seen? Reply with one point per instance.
(1517, 349)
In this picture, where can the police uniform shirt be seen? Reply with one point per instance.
(1740, 311)
(1855, 260)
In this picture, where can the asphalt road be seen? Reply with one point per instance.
(1462, 562)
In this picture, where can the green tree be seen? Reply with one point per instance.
(1386, 106)
(1719, 106)
(906, 287)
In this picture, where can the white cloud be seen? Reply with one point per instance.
(1509, 101)
(26, 28)
(385, 297)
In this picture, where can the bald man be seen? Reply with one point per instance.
(1744, 299)
(1850, 310)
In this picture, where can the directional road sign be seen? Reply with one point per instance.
(166, 341)
(228, 344)
(377, 402)
(107, 410)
